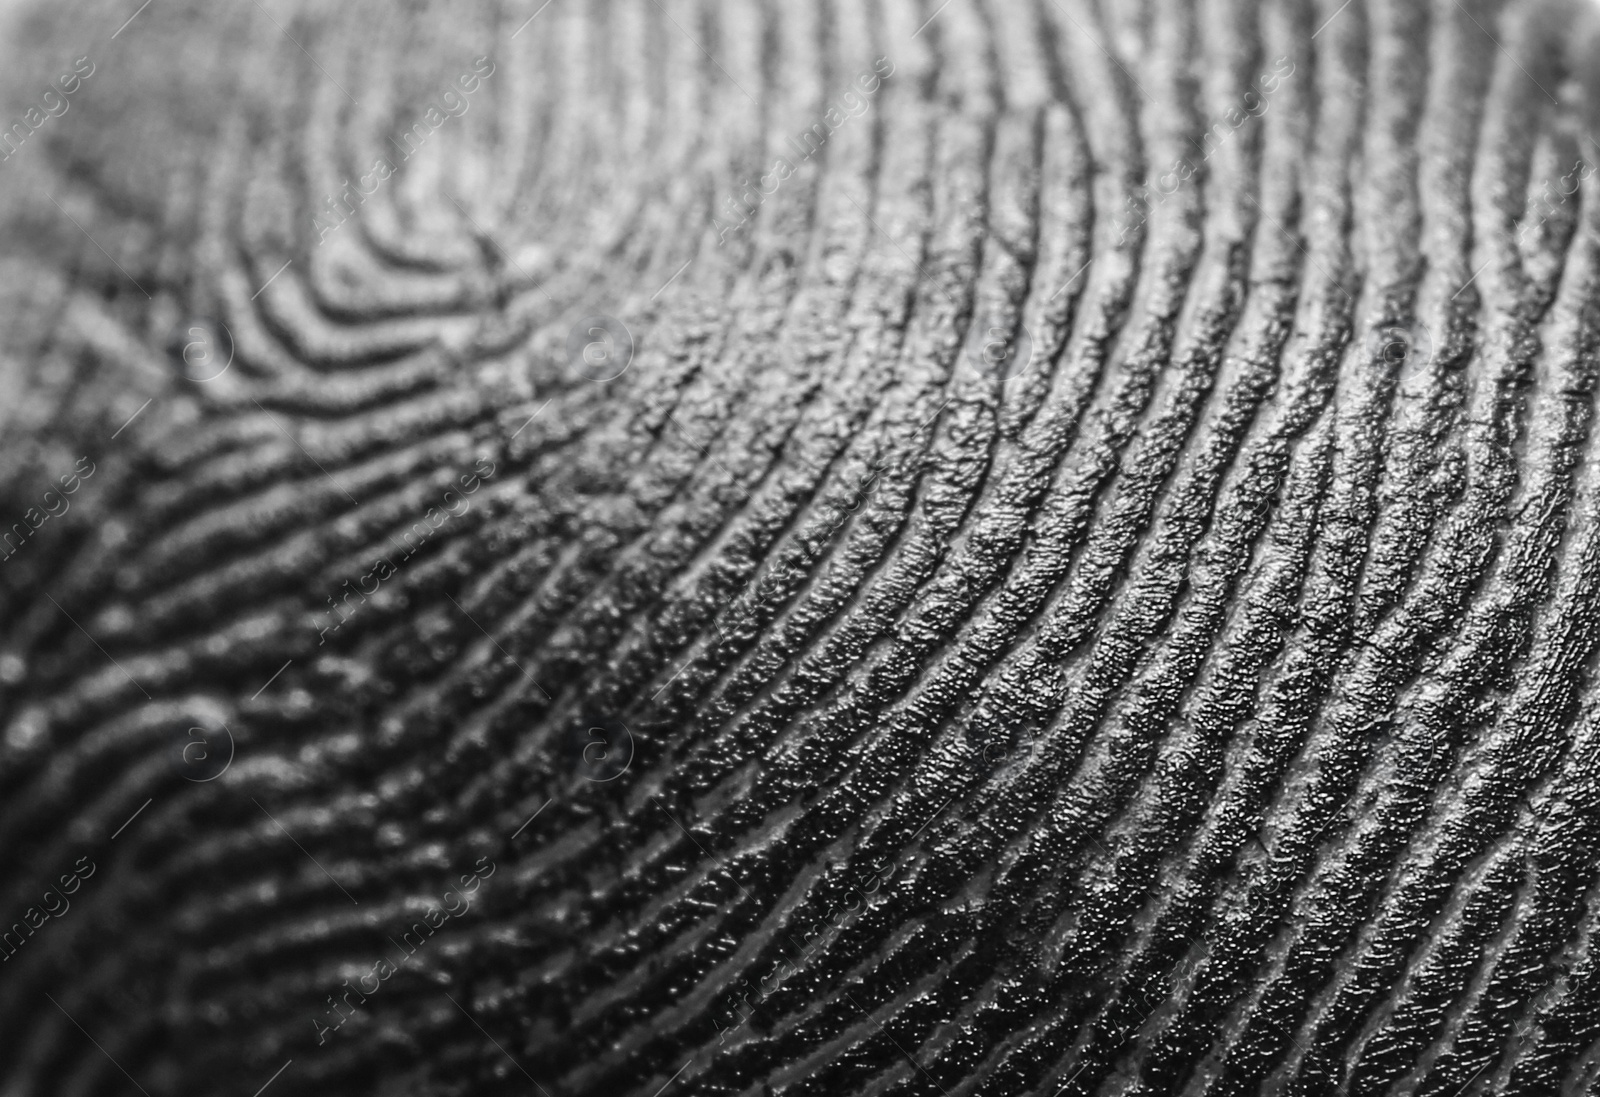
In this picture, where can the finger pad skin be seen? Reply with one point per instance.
(725, 547)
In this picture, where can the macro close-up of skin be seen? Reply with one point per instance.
(798, 548)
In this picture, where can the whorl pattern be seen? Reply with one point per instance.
(1088, 583)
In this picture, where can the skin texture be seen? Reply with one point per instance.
(849, 695)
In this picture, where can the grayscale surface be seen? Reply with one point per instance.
(799, 548)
